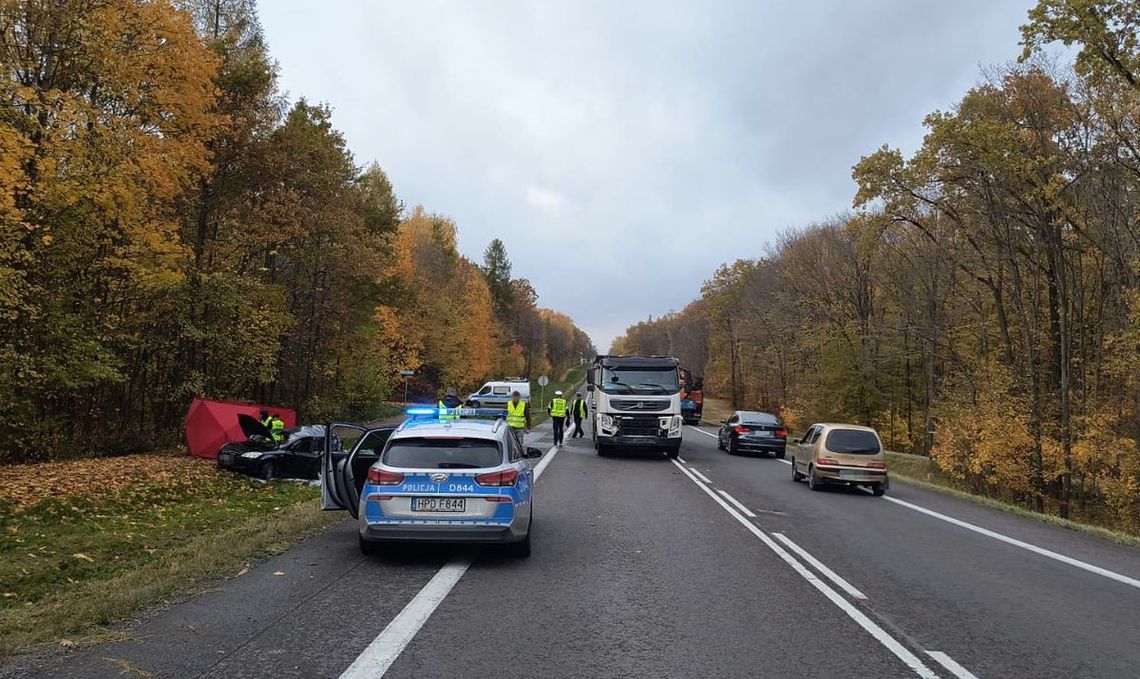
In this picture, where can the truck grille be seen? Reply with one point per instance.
(637, 425)
(627, 404)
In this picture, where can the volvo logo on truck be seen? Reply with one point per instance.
(636, 403)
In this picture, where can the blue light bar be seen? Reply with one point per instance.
(421, 411)
(426, 412)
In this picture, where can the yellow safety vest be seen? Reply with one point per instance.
(581, 408)
(448, 417)
(516, 414)
(558, 407)
(277, 429)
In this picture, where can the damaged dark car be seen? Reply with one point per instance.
(298, 456)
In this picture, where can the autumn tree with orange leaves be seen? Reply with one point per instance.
(171, 227)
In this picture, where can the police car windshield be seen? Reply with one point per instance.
(416, 453)
(640, 381)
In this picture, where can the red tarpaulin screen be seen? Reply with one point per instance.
(210, 424)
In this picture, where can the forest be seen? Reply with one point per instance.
(980, 303)
(172, 226)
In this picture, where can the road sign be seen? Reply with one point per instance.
(543, 380)
(407, 373)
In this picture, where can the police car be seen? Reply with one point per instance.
(444, 475)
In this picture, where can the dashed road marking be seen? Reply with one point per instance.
(893, 645)
(700, 476)
(736, 503)
(819, 566)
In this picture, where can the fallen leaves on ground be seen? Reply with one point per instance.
(25, 485)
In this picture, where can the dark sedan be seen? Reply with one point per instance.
(296, 457)
(754, 432)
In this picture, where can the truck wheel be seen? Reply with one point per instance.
(673, 453)
(603, 450)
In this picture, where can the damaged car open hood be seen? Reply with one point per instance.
(251, 427)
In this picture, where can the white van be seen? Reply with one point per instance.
(496, 394)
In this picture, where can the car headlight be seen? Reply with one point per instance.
(607, 422)
(251, 455)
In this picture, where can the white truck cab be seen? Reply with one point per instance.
(635, 402)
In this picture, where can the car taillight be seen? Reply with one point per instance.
(782, 433)
(877, 465)
(498, 498)
(740, 429)
(825, 461)
(507, 477)
(383, 477)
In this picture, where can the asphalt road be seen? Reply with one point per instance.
(714, 566)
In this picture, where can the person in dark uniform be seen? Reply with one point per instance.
(578, 409)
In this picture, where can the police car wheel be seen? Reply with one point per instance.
(474, 404)
(267, 472)
(521, 550)
(368, 548)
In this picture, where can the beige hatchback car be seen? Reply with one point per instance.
(844, 454)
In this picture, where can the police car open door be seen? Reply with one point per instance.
(350, 450)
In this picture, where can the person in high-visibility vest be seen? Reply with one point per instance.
(277, 428)
(579, 410)
(557, 410)
(518, 416)
(450, 401)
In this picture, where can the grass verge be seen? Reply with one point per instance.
(570, 381)
(72, 563)
(925, 473)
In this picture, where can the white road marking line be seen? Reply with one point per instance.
(698, 429)
(375, 660)
(950, 664)
(830, 574)
(682, 460)
(700, 476)
(911, 660)
(1112, 575)
(385, 648)
(743, 510)
(780, 459)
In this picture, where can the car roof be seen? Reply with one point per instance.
(840, 425)
(480, 429)
(758, 412)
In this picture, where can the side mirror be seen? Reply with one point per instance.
(589, 387)
(533, 452)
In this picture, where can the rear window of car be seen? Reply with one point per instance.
(852, 442)
(758, 418)
(443, 454)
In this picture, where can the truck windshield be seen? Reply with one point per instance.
(640, 381)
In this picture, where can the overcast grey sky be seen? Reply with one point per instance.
(623, 150)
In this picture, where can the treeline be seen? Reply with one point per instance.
(982, 305)
(170, 226)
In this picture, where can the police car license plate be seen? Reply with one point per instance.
(439, 504)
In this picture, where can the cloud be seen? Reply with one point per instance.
(651, 140)
(546, 200)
